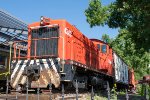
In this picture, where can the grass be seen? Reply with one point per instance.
(97, 97)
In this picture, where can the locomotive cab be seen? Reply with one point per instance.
(102, 48)
(105, 56)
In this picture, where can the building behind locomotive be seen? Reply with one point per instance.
(4, 69)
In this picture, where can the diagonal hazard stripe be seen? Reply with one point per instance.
(48, 72)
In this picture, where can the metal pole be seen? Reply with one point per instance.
(11, 43)
(149, 93)
(145, 91)
(7, 84)
(63, 91)
(127, 96)
(92, 93)
(38, 91)
(50, 91)
(108, 90)
(27, 85)
(76, 90)
(16, 91)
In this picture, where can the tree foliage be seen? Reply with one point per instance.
(96, 13)
(106, 38)
(132, 17)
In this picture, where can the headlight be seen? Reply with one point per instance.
(42, 18)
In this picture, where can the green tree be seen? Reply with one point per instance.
(96, 13)
(106, 38)
(132, 17)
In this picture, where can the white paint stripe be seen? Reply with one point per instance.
(16, 68)
(45, 63)
(38, 63)
(44, 60)
(53, 66)
(58, 59)
(19, 73)
(23, 80)
(13, 61)
(37, 60)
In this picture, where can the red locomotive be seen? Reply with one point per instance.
(59, 52)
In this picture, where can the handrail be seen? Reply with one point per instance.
(36, 39)
(17, 48)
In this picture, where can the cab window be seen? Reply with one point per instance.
(104, 49)
(98, 46)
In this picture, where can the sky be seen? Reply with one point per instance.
(71, 10)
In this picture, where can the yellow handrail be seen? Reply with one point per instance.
(5, 73)
(8, 72)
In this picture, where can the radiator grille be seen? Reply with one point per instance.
(44, 46)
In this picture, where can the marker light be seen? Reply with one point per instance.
(41, 22)
(44, 21)
(42, 18)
